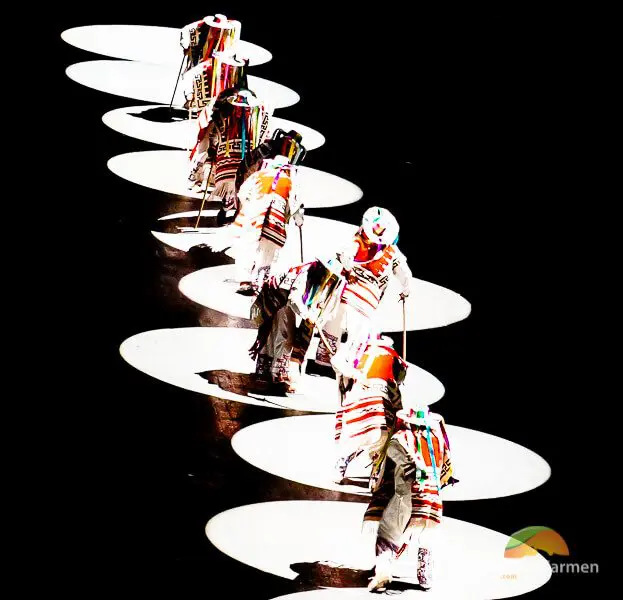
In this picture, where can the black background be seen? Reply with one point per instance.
(465, 125)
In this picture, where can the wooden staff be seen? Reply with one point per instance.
(205, 194)
(404, 330)
(177, 82)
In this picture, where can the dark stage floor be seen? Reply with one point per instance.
(444, 122)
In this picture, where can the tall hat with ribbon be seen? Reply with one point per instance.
(289, 144)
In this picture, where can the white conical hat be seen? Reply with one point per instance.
(380, 226)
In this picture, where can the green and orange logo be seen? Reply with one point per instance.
(528, 541)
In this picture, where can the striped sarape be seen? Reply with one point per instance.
(426, 504)
(426, 501)
(226, 134)
(368, 409)
(368, 281)
(274, 228)
(369, 276)
(265, 199)
(228, 157)
(366, 420)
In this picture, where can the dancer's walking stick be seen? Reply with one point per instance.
(301, 238)
(404, 329)
(177, 82)
(205, 194)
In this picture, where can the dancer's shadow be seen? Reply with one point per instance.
(398, 587)
(361, 482)
(243, 384)
(322, 574)
(312, 575)
(162, 114)
(185, 224)
(203, 256)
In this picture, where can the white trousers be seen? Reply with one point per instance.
(254, 260)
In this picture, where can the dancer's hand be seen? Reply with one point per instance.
(403, 296)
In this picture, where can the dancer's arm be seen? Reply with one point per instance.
(402, 272)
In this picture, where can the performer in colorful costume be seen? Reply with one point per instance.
(286, 325)
(370, 260)
(328, 296)
(268, 201)
(202, 41)
(369, 403)
(406, 482)
(230, 126)
(209, 78)
(280, 346)
(280, 144)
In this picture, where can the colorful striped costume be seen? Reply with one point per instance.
(406, 482)
(370, 269)
(369, 276)
(210, 34)
(227, 132)
(200, 40)
(209, 78)
(369, 404)
(268, 201)
(428, 480)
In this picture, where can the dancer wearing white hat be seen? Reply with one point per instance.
(331, 296)
(370, 259)
(369, 404)
(269, 200)
(406, 483)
